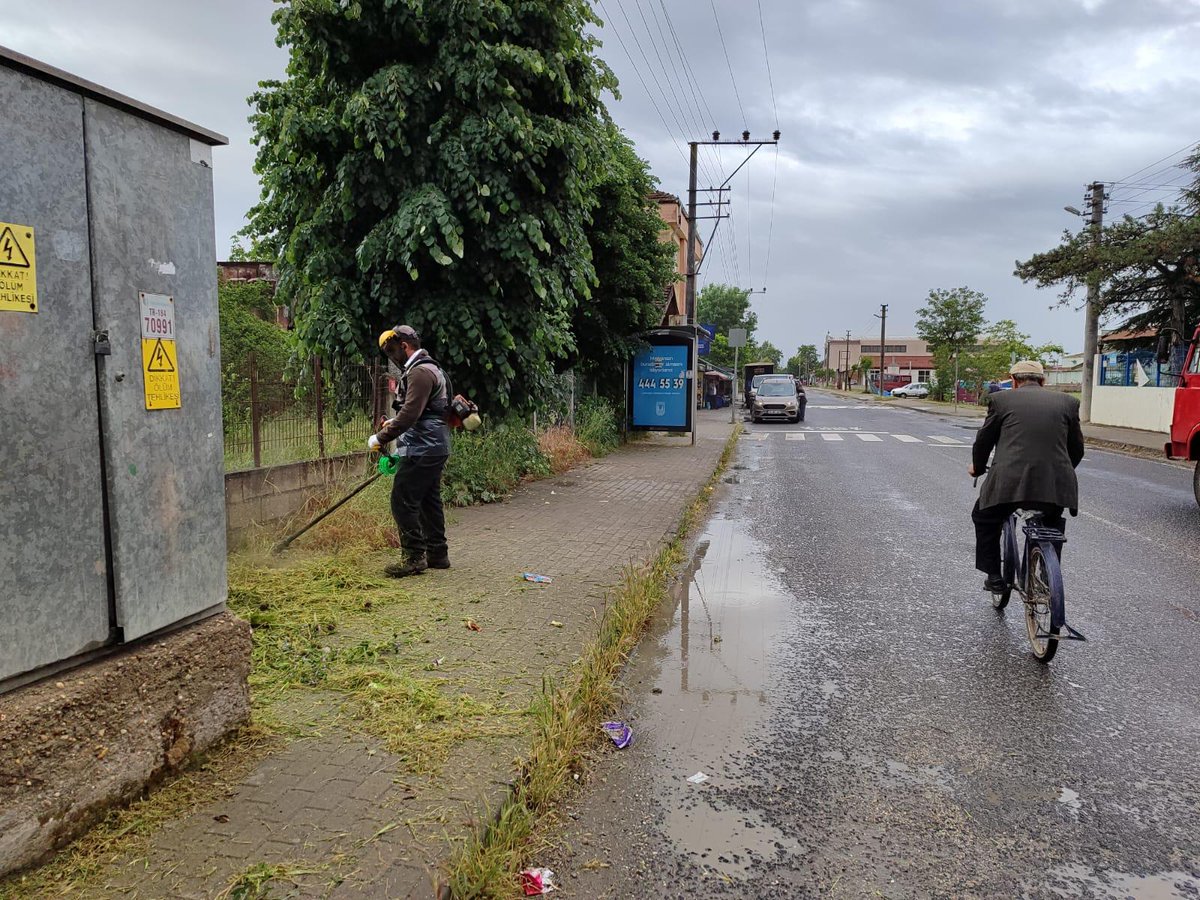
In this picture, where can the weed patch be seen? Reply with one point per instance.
(486, 465)
(565, 717)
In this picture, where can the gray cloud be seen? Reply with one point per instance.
(927, 143)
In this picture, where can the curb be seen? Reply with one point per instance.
(649, 567)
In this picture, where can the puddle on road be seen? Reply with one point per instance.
(710, 669)
(1066, 881)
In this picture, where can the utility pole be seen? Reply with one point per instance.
(690, 288)
(847, 359)
(690, 277)
(882, 317)
(1091, 327)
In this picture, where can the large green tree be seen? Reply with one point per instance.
(805, 362)
(764, 352)
(429, 162)
(1000, 345)
(950, 322)
(631, 263)
(725, 306)
(1148, 267)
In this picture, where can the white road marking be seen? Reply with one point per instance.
(945, 440)
(907, 439)
(829, 436)
(794, 435)
(869, 437)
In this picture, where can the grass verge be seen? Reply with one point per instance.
(565, 718)
(128, 830)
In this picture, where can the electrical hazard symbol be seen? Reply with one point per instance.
(160, 360)
(18, 269)
(160, 373)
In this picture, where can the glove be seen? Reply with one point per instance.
(373, 443)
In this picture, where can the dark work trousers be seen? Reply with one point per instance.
(417, 505)
(989, 525)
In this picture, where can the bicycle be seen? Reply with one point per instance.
(1035, 574)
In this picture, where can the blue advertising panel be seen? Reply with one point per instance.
(704, 341)
(661, 386)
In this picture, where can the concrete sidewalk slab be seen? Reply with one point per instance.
(335, 814)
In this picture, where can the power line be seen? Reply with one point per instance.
(682, 107)
(749, 232)
(662, 62)
(771, 222)
(650, 69)
(767, 59)
(1188, 146)
(728, 64)
(692, 80)
(650, 96)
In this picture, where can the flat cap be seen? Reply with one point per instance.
(1027, 367)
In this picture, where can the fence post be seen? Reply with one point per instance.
(255, 411)
(319, 387)
(572, 411)
(376, 396)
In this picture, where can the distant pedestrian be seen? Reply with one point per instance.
(423, 446)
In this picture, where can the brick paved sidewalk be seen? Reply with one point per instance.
(342, 817)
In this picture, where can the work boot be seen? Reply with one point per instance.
(414, 565)
(439, 560)
(995, 583)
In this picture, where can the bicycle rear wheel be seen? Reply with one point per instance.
(1008, 564)
(1043, 598)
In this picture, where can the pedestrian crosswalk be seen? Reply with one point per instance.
(835, 436)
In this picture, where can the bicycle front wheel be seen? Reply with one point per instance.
(1008, 565)
(1043, 593)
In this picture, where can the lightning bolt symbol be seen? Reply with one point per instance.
(8, 249)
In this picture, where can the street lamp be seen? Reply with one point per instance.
(1072, 210)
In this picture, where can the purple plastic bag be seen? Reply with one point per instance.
(621, 734)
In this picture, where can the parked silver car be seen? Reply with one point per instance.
(916, 389)
(776, 398)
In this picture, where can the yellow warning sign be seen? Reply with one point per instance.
(160, 374)
(18, 269)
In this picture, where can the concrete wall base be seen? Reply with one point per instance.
(259, 497)
(74, 745)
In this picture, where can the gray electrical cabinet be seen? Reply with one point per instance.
(112, 515)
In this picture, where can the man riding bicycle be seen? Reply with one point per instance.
(1038, 444)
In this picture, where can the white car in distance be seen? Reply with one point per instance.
(916, 389)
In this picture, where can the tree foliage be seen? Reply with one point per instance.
(1148, 268)
(951, 319)
(428, 162)
(725, 306)
(765, 352)
(1001, 344)
(805, 362)
(632, 265)
(950, 322)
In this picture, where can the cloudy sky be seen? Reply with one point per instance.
(926, 143)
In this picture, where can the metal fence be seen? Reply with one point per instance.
(1135, 368)
(273, 417)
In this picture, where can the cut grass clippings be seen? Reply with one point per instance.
(128, 830)
(566, 717)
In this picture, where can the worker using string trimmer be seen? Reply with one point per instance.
(421, 427)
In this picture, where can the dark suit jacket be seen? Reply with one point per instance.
(1038, 444)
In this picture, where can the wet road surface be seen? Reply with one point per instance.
(869, 726)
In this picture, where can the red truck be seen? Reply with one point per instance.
(1185, 421)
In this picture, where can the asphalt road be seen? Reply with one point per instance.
(869, 726)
